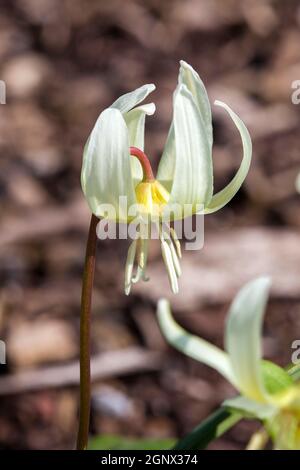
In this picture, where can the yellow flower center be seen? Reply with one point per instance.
(152, 196)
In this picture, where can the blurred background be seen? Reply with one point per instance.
(63, 62)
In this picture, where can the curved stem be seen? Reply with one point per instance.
(85, 326)
(144, 161)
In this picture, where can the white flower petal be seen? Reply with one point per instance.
(191, 345)
(193, 175)
(135, 120)
(221, 198)
(243, 337)
(166, 167)
(251, 408)
(106, 170)
(189, 77)
(128, 101)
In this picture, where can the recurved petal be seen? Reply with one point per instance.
(106, 170)
(128, 101)
(221, 198)
(189, 77)
(243, 338)
(193, 174)
(135, 120)
(191, 345)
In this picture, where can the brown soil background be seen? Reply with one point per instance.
(63, 62)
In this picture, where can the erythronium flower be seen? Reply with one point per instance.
(267, 391)
(115, 166)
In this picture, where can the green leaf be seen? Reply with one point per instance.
(112, 442)
(294, 371)
(211, 428)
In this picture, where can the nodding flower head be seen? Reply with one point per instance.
(115, 166)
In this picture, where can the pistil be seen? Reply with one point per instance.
(148, 176)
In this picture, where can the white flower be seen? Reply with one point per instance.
(267, 391)
(185, 173)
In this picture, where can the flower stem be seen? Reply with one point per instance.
(85, 326)
(144, 161)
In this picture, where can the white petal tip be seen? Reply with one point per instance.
(151, 108)
(262, 281)
(184, 64)
(151, 86)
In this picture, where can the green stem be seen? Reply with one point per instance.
(211, 428)
(85, 326)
